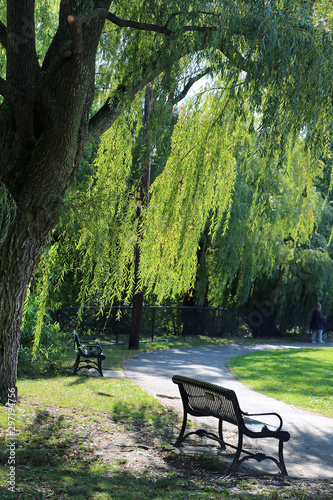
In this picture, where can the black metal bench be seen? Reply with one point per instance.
(88, 353)
(328, 335)
(203, 399)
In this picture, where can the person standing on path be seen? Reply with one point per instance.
(317, 325)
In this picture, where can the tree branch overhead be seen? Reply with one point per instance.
(140, 26)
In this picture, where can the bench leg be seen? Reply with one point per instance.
(221, 434)
(181, 434)
(281, 464)
(257, 456)
(235, 464)
(99, 365)
(76, 364)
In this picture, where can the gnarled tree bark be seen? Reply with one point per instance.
(44, 122)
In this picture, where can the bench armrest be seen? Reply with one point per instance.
(97, 347)
(265, 414)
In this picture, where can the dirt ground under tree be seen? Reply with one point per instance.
(141, 451)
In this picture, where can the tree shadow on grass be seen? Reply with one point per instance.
(42, 441)
(107, 485)
(54, 461)
(144, 414)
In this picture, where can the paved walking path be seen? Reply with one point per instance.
(308, 454)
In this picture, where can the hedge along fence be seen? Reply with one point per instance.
(168, 321)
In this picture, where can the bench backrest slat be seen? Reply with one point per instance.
(209, 399)
(200, 399)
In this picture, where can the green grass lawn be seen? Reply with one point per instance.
(59, 417)
(301, 377)
(57, 421)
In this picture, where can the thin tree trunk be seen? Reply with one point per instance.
(135, 330)
(137, 303)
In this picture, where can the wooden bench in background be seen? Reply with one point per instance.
(203, 399)
(88, 353)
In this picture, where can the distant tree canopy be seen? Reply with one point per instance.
(70, 72)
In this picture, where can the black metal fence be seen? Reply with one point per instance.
(166, 321)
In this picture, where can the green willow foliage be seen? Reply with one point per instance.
(214, 178)
(234, 170)
(267, 235)
(199, 176)
(251, 209)
(42, 294)
(100, 229)
(109, 239)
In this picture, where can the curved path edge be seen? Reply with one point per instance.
(308, 454)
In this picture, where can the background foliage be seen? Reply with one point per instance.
(239, 212)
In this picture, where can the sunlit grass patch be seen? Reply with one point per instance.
(92, 396)
(301, 377)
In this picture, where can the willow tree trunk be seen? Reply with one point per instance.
(44, 127)
(19, 255)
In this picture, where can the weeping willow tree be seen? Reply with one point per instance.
(99, 234)
(71, 68)
(255, 212)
